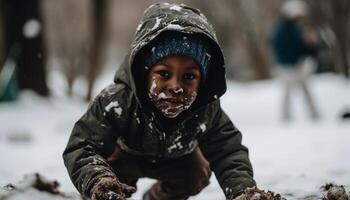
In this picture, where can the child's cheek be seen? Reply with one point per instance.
(189, 100)
(152, 93)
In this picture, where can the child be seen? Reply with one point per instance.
(161, 118)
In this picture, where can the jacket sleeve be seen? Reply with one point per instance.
(228, 158)
(91, 141)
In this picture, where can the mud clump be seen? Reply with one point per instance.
(255, 193)
(34, 186)
(335, 192)
(44, 185)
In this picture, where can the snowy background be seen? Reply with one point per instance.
(288, 158)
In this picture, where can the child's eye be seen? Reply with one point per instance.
(164, 74)
(189, 76)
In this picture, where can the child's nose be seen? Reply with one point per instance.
(175, 85)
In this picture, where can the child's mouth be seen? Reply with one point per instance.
(171, 101)
(175, 101)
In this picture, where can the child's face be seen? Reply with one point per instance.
(173, 84)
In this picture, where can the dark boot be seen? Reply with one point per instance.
(158, 192)
(180, 179)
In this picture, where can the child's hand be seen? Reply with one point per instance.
(108, 188)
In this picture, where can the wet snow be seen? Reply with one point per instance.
(174, 27)
(177, 145)
(31, 28)
(157, 23)
(208, 55)
(162, 95)
(180, 90)
(153, 49)
(176, 7)
(115, 105)
(203, 127)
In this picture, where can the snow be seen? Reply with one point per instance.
(174, 27)
(179, 90)
(176, 7)
(162, 95)
(111, 105)
(296, 157)
(6, 73)
(176, 145)
(156, 25)
(208, 55)
(138, 28)
(31, 28)
(138, 120)
(153, 86)
(203, 127)
(153, 49)
(117, 109)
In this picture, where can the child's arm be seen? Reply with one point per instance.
(90, 143)
(228, 158)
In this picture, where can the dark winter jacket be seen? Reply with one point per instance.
(119, 116)
(288, 44)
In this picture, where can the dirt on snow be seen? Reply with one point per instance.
(37, 187)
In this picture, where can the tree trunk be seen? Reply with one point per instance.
(340, 26)
(253, 43)
(2, 52)
(22, 26)
(96, 52)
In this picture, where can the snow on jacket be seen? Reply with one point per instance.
(118, 116)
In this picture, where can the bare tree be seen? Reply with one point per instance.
(22, 27)
(2, 51)
(98, 46)
(69, 36)
(243, 29)
(340, 24)
(335, 14)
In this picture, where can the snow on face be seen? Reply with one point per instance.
(170, 111)
(115, 105)
(160, 101)
(152, 91)
(180, 90)
(162, 95)
(173, 84)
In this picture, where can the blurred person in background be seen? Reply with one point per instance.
(294, 50)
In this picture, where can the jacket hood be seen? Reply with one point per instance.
(163, 17)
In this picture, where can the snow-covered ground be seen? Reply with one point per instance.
(296, 157)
